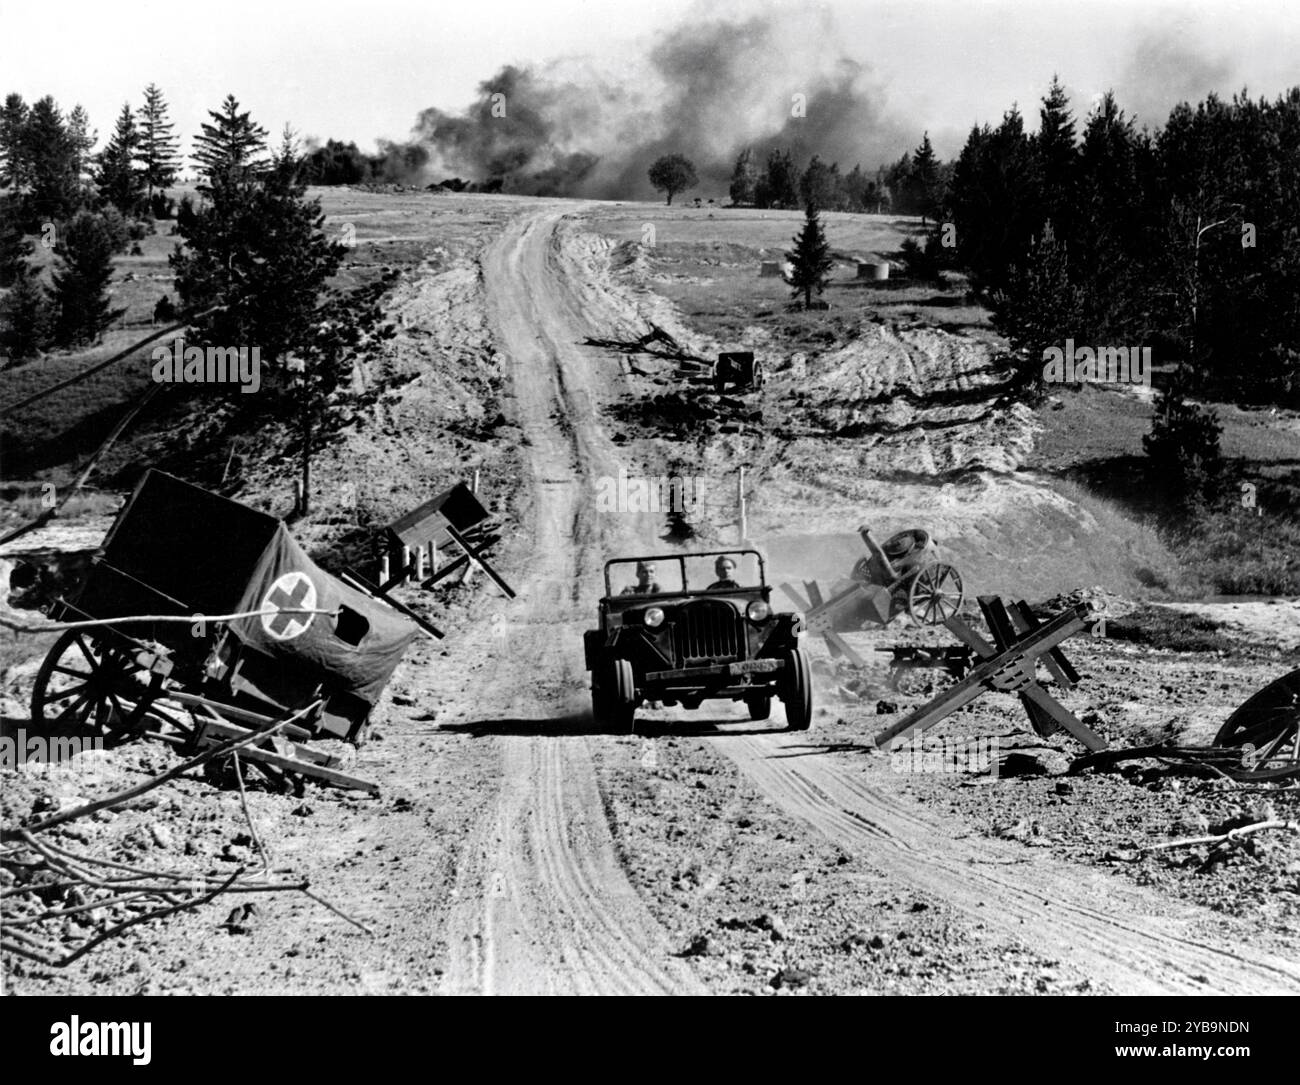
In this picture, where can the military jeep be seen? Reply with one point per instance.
(678, 633)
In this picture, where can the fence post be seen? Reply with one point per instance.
(742, 515)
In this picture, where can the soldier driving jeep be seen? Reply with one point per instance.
(725, 568)
(646, 582)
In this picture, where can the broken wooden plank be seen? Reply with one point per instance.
(193, 700)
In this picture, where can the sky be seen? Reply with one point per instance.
(361, 70)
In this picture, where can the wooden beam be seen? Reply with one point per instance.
(1004, 632)
(836, 642)
(351, 576)
(1005, 669)
(476, 557)
(193, 700)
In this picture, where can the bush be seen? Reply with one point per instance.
(117, 227)
(24, 318)
(918, 263)
(1184, 442)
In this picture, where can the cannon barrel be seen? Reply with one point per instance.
(878, 554)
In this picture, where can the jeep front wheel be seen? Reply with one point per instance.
(796, 690)
(614, 698)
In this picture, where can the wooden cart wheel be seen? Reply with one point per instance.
(935, 594)
(88, 682)
(1267, 730)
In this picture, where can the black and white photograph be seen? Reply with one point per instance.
(683, 498)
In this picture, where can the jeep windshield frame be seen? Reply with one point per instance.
(681, 560)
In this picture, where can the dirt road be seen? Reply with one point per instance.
(543, 903)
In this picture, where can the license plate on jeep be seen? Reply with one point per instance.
(753, 666)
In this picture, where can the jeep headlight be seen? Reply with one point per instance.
(758, 611)
(654, 617)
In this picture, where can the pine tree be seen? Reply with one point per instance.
(1038, 309)
(15, 247)
(818, 185)
(158, 148)
(54, 187)
(256, 253)
(231, 148)
(287, 159)
(15, 162)
(80, 291)
(857, 189)
(779, 186)
(24, 317)
(810, 258)
(1184, 441)
(743, 179)
(120, 182)
(1057, 158)
(921, 186)
(82, 139)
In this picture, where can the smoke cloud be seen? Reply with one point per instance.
(707, 89)
(1166, 68)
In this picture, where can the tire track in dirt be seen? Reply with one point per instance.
(542, 904)
(1119, 935)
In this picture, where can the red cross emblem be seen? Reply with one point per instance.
(290, 591)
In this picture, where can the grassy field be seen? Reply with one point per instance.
(706, 261)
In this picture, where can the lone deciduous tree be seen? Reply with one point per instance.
(810, 258)
(673, 173)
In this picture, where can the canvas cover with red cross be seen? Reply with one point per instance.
(354, 648)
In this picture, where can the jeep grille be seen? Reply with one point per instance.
(708, 630)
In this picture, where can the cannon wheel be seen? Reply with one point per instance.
(89, 682)
(934, 594)
(1269, 723)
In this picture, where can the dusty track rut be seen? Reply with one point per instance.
(1115, 933)
(542, 905)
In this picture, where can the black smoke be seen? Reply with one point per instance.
(707, 88)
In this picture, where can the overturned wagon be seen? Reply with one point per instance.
(171, 652)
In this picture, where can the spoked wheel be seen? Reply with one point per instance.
(1267, 731)
(935, 594)
(88, 682)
